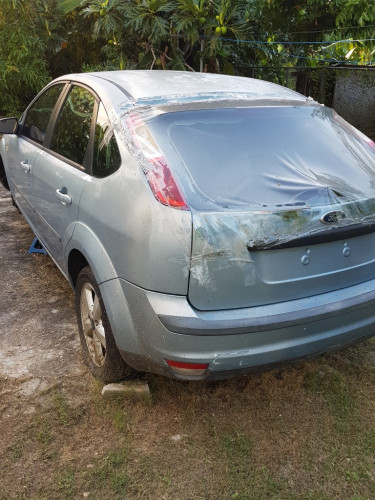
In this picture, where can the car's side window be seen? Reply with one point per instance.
(71, 134)
(39, 114)
(106, 158)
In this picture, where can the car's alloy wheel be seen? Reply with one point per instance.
(99, 348)
(92, 324)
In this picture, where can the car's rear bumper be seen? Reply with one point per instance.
(150, 328)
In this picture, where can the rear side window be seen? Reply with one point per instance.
(71, 135)
(39, 114)
(106, 159)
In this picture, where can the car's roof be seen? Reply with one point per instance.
(147, 86)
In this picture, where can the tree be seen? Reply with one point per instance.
(24, 40)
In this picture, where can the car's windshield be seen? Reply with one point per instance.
(276, 156)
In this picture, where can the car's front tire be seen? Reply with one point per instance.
(3, 176)
(99, 348)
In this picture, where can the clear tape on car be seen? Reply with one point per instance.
(276, 188)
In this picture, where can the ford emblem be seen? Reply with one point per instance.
(333, 217)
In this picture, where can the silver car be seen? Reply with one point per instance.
(210, 225)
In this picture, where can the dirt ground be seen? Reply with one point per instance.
(39, 340)
(306, 432)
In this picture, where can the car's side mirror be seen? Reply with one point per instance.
(8, 125)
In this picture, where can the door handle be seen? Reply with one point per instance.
(63, 196)
(25, 166)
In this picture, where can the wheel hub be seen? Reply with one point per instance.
(92, 321)
(92, 325)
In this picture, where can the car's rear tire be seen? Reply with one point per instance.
(99, 350)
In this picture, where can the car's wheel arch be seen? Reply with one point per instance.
(85, 249)
(76, 262)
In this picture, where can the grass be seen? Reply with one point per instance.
(334, 389)
(17, 449)
(66, 414)
(66, 484)
(111, 472)
(303, 433)
(43, 430)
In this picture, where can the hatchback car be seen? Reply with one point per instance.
(210, 225)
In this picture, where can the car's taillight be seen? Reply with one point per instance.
(159, 176)
(183, 368)
(163, 184)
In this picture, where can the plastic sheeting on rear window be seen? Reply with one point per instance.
(274, 157)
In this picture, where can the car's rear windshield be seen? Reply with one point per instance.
(267, 156)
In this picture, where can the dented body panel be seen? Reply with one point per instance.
(226, 274)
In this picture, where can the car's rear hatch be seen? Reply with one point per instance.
(282, 201)
(231, 269)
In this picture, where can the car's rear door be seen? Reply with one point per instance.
(62, 169)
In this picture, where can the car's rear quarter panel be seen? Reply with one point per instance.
(147, 243)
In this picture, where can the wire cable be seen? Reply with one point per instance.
(286, 42)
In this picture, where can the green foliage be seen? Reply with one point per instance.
(28, 31)
(108, 17)
(68, 5)
(358, 12)
(42, 39)
(192, 18)
(48, 24)
(23, 69)
(149, 19)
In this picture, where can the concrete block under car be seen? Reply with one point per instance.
(129, 389)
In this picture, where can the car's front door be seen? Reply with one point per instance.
(25, 148)
(61, 171)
